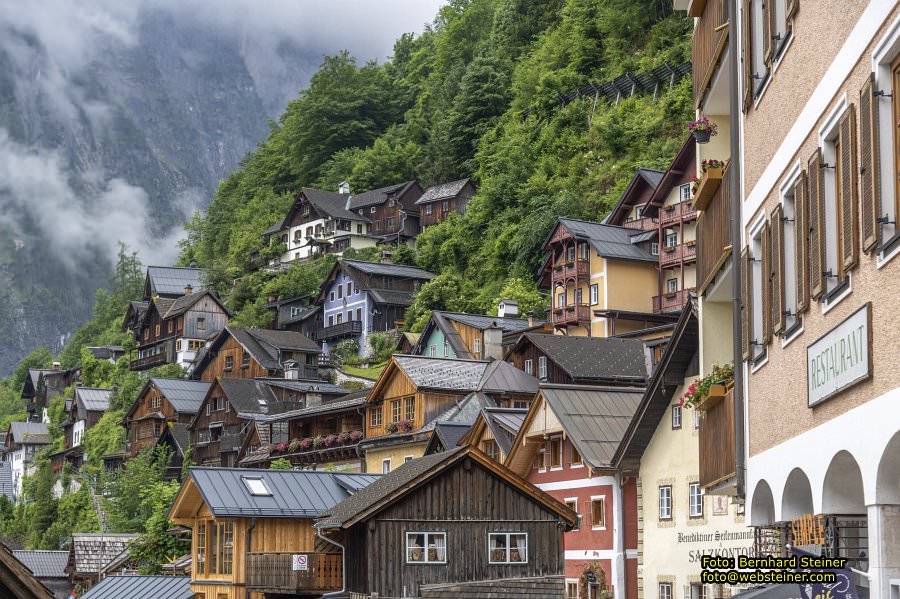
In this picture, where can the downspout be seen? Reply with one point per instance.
(247, 552)
(343, 590)
(619, 540)
(734, 167)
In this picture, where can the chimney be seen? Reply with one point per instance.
(493, 343)
(507, 308)
(188, 289)
(387, 257)
(532, 320)
(193, 264)
(291, 371)
(344, 188)
(57, 366)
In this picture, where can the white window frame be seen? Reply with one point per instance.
(529, 366)
(684, 192)
(665, 502)
(695, 500)
(664, 590)
(654, 248)
(670, 288)
(595, 290)
(508, 535)
(793, 323)
(671, 239)
(602, 500)
(676, 416)
(542, 367)
(386, 462)
(574, 508)
(256, 486)
(758, 350)
(884, 54)
(433, 351)
(476, 346)
(428, 535)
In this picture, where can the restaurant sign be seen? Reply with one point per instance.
(841, 358)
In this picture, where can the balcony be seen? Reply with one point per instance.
(707, 46)
(717, 460)
(571, 315)
(351, 328)
(714, 234)
(641, 224)
(148, 362)
(670, 302)
(276, 573)
(669, 256)
(677, 213)
(572, 269)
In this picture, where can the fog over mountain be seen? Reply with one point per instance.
(118, 119)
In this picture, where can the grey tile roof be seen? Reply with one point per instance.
(330, 203)
(504, 424)
(377, 196)
(181, 433)
(597, 358)
(442, 191)
(349, 402)
(651, 175)
(93, 399)
(163, 304)
(608, 240)
(185, 396)
(105, 352)
(248, 397)
(275, 228)
(442, 373)
(171, 280)
(503, 377)
(392, 297)
(305, 386)
(6, 481)
(450, 433)
(481, 322)
(294, 493)
(595, 418)
(31, 433)
(392, 270)
(45, 564)
(264, 344)
(645, 236)
(145, 587)
(93, 551)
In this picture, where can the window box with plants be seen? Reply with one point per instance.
(704, 187)
(708, 391)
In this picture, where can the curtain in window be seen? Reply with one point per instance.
(437, 548)
(518, 551)
(498, 548)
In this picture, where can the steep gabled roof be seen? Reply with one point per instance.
(186, 302)
(682, 164)
(145, 587)
(265, 345)
(505, 424)
(331, 204)
(503, 377)
(171, 280)
(180, 434)
(16, 580)
(351, 268)
(378, 196)
(594, 358)
(30, 433)
(44, 564)
(93, 399)
(291, 493)
(440, 319)
(414, 474)
(248, 397)
(608, 241)
(91, 552)
(185, 396)
(648, 178)
(442, 191)
(442, 373)
(449, 433)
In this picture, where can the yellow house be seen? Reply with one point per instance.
(253, 530)
(602, 278)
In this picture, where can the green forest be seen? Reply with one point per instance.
(476, 95)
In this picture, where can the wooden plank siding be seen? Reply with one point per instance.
(209, 453)
(528, 351)
(466, 503)
(141, 430)
(217, 366)
(714, 243)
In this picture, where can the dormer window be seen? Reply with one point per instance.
(372, 210)
(256, 486)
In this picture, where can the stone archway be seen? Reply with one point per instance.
(797, 498)
(762, 506)
(600, 581)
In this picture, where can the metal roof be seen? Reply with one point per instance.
(595, 418)
(305, 386)
(442, 191)
(294, 494)
(503, 377)
(449, 433)
(185, 396)
(509, 324)
(171, 280)
(442, 373)
(245, 395)
(393, 297)
(609, 241)
(377, 196)
(93, 551)
(353, 401)
(391, 270)
(44, 564)
(330, 204)
(504, 424)
(265, 345)
(6, 482)
(93, 399)
(31, 433)
(598, 358)
(143, 587)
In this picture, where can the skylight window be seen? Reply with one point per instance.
(256, 486)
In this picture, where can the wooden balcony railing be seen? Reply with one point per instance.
(641, 224)
(671, 301)
(682, 211)
(675, 254)
(276, 573)
(707, 46)
(571, 270)
(571, 314)
(717, 462)
(714, 234)
(148, 361)
(345, 329)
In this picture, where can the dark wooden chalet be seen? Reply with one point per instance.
(296, 314)
(83, 411)
(629, 211)
(440, 201)
(176, 439)
(172, 331)
(226, 417)
(160, 402)
(392, 210)
(134, 316)
(452, 524)
(44, 384)
(582, 360)
(16, 580)
(249, 353)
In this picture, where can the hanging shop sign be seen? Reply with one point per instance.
(841, 358)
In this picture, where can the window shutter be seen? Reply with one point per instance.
(868, 166)
(745, 305)
(776, 231)
(815, 225)
(849, 206)
(768, 28)
(801, 243)
(766, 279)
(746, 46)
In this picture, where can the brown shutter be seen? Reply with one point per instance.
(868, 166)
(766, 279)
(776, 231)
(745, 304)
(746, 45)
(815, 225)
(849, 204)
(801, 243)
(768, 28)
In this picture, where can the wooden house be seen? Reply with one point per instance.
(567, 445)
(473, 336)
(453, 524)
(324, 433)
(249, 353)
(83, 411)
(90, 553)
(582, 360)
(601, 278)
(23, 441)
(295, 314)
(438, 202)
(176, 439)
(252, 530)
(221, 425)
(160, 402)
(392, 211)
(172, 331)
(134, 315)
(49, 567)
(447, 436)
(495, 431)
(171, 281)
(45, 384)
(359, 298)
(110, 353)
(16, 580)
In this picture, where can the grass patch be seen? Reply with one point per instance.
(372, 372)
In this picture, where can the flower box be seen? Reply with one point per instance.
(716, 394)
(709, 185)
